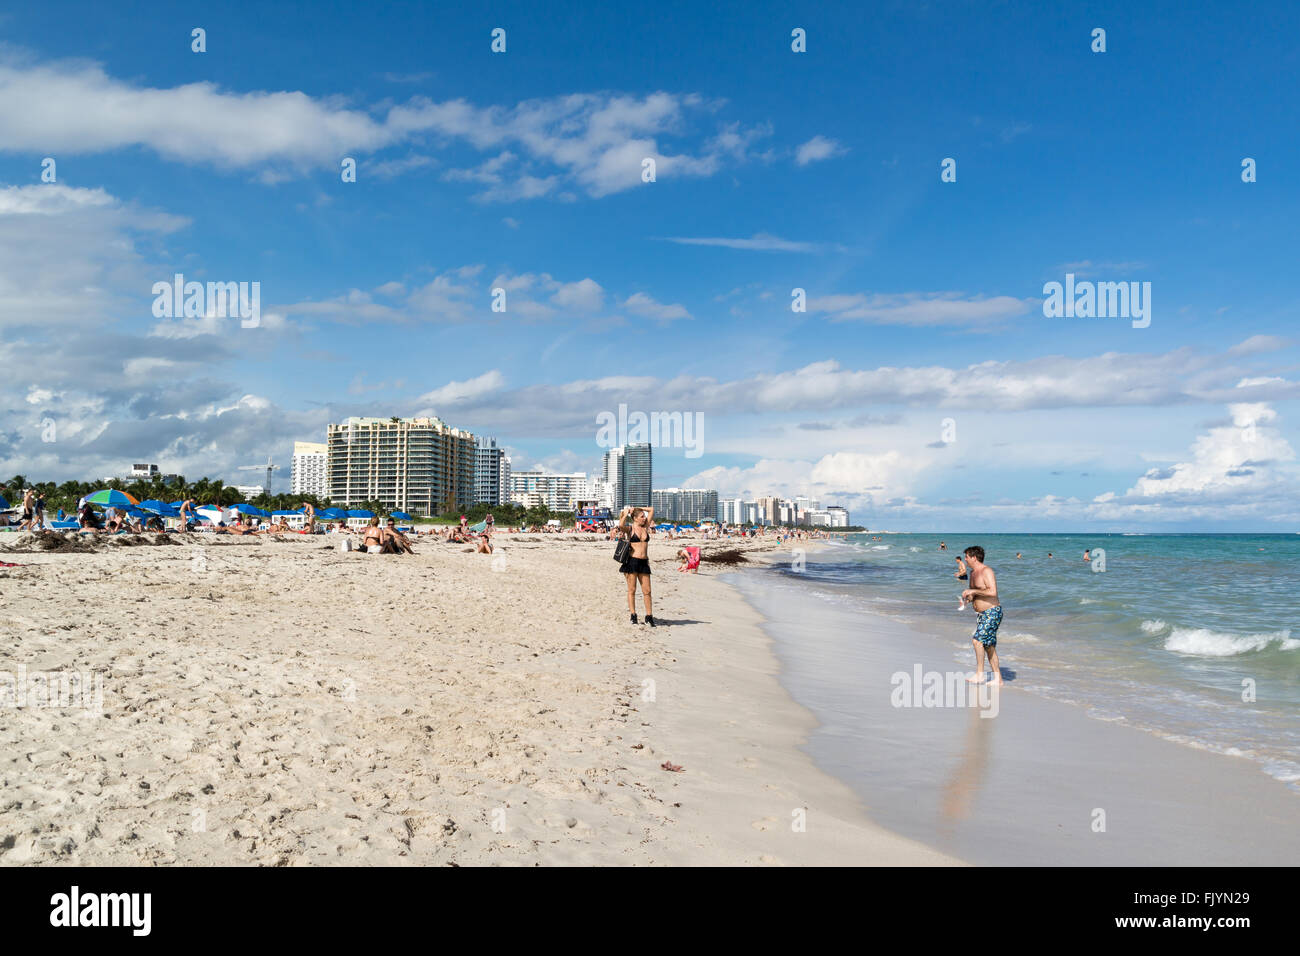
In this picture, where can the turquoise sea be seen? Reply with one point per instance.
(1192, 637)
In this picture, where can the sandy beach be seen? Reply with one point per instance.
(275, 702)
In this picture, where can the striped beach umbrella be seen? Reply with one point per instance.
(111, 498)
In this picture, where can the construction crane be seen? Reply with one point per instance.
(269, 469)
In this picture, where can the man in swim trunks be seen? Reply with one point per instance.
(983, 594)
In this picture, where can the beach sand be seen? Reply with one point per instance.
(276, 702)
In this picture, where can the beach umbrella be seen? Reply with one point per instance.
(211, 513)
(360, 513)
(276, 514)
(112, 498)
(400, 516)
(160, 508)
(247, 509)
(331, 514)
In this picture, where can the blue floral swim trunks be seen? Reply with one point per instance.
(986, 627)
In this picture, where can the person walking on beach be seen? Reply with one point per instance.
(29, 504)
(983, 594)
(187, 513)
(634, 524)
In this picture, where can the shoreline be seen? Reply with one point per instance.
(280, 703)
(1043, 783)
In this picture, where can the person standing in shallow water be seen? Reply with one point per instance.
(634, 524)
(983, 594)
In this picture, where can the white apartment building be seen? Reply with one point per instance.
(559, 492)
(832, 516)
(308, 474)
(419, 465)
(685, 504)
(491, 472)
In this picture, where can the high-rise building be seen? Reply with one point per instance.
(731, 510)
(308, 473)
(490, 466)
(419, 465)
(559, 492)
(637, 475)
(613, 475)
(769, 510)
(604, 494)
(685, 504)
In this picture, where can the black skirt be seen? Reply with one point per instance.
(633, 565)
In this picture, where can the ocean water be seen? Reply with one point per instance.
(1195, 638)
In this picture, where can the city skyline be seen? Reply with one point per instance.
(928, 382)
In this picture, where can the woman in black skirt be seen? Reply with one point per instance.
(634, 524)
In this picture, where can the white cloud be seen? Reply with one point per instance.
(817, 149)
(852, 477)
(585, 295)
(760, 242)
(1237, 470)
(458, 393)
(643, 305)
(922, 308)
(595, 141)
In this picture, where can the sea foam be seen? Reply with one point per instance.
(1206, 643)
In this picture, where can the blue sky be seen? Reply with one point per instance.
(775, 170)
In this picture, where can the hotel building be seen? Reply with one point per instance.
(685, 504)
(419, 465)
(559, 492)
(308, 474)
(491, 472)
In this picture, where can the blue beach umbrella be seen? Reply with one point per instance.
(159, 508)
(400, 515)
(332, 514)
(360, 513)
(247, 509)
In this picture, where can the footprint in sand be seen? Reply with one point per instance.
(764, 824)
(749, 763)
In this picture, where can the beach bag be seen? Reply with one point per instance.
(620, 550)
